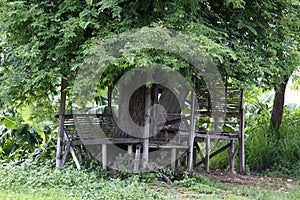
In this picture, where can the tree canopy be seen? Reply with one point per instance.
(42, 42)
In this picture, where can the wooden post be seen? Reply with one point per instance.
(192, 133)
(242, 136)
(155, 101)
(147, 129)
(137, 158)
(104, 156)
(231, 156)
(60, 138)
(173, 157)
(109, 95)
(207, 149)
(129, 149)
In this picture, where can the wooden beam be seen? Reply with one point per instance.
(207, 152)
(192, 133)
(214, 153)
(137, 158)
(129, 149)
(146, 130)
(72, 151)
(60, 135)
(104, 156)
(65, 155)
(231, 156)
(109, 95)
(242, 135)
(173, 157)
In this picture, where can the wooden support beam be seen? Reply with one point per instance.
(207, 156)
(65, 155)
(213, 154)
(137, 158)
(192, 133)
(173, 157)
(129, 149)
(146, 130)
(72, 151)
(231, 156)
(104, 156)
(109, 95)
(60, 133)
(242, 135)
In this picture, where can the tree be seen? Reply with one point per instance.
(46, 41)
(265, 37)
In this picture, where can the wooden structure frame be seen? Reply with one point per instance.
(82, 130)
(233, 118)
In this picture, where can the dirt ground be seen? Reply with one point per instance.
(238, 180)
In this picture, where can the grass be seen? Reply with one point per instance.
(29, 181)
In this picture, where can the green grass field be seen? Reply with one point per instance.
(42, 182)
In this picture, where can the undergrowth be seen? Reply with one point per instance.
(274, 152)
(76, 184)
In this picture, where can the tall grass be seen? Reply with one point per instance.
(275, 151)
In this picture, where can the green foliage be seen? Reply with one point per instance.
(22, 137)
(73, 183)
(39, 181)
(265, 149)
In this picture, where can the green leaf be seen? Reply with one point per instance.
(9, 122)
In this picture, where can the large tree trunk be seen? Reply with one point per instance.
(278, 105)
(63, 96)
(131, 116)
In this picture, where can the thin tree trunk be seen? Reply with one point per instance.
(278, 105)
(63, 96)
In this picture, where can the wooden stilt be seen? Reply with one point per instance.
(129, 149)
(242, 136)
(146, 130)
(231, 156)
(104, 156)
(60, 135)
(207, 157)
(109, 95)
(137, 158)
(79, 153)
(173, 157)
(192, 133)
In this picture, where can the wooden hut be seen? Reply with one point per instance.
(181, 133)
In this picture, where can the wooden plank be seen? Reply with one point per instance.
(167, 146)
(217, 136)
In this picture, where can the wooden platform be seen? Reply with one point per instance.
(179, 133)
